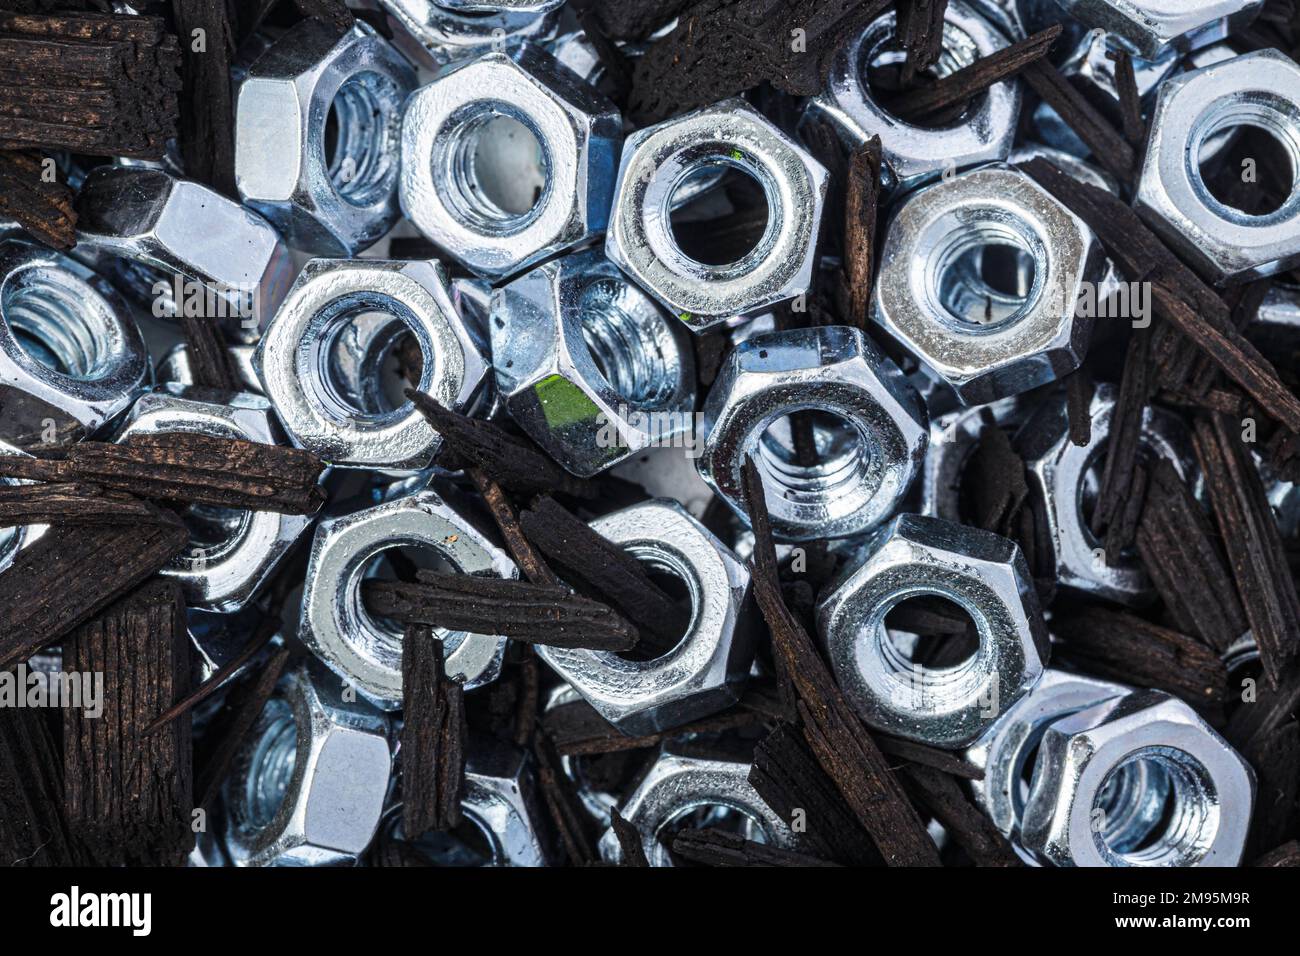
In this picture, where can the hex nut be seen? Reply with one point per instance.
(141, 223)
(175, 367)
(931, 296)
(954, 437)
(226, 573)
(706, 670)
(657, 159)
(307, 789)
(677, 791)
(500, 799)
(434, 35)
(365, 651)
(577, 132)
(13, 539)
(1152, 25)
(1105, 776)
(868, 454)
(1260, 89)
(328, 202)
(314, 401)
(1060, 475)
(1005, 750)
(589, 365)
(982, 573)
(66, 337)
(913, 154)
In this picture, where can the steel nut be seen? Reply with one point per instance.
(706, 670)
(985, 575)
(954, 437)
(912, 154)
(433, 35)
(933, 295)
(66, 337)
(308, 787)
(1063, 479)
(679, 793)
(232, 552)
(328, 201)
(16, 537)
(658, 159)
(457, 127)
(1152, 25)
(1261, 90)
(499, 798)
(142, 222)
(869, 428)
(175, 367)
(589, 365)
(1139, 780)
(317, 399)
(1005, 752)
(367, 651)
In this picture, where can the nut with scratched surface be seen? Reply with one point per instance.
(328, 201)
(985, 575)
(590, 366)
(869, 445)
(1138, 780)
(707, 669)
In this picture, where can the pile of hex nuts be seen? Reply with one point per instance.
(562, 301)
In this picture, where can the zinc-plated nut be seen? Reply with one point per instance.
(1005, 750)
(365, 651)
(682, 793)
(1153, 25)
(433, 35)
(502, 6)
(66, 336)
(1260, 89)
(598, 802)
(313, 401)
(658, 159)
(577, 132)
(1067, 163)
(982, 573)
(1063, 478)
(175, 367)
(953, 438)
(308, 787)
(1139, 780)
(332, 202)
(869, 450)
(707, 669)
(589, 365)
(232, 552)
(931, 295)
(914, 154)
(154, 228)
(13, 539)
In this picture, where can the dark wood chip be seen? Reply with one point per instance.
(38, 202)
(920, 33)
(72, 573)
(209, 358)
(1113, 520)
(188, 467)
(1130, 101)
(1108, 147)
(710, 349)
(994, 485)
(128, 794)
(1288, 854)
(1180, 552)
(617, 69)
(513, 463)
(333, 13)
(595, 564)
(958, 88)
(832, 730)
(564, 805)
(73, 503)
(1276, 759)
(503, 513)
(33, 829)
(861, 204)
(720, 848)
(207, 135)
(631, 850)
(548, 614)
(1078, 403)
(633, 21)
(433, 737)
(98, 83)
(1249, 533)
(578, 730)
(1123, 647)
(969, 828)
(949, 762)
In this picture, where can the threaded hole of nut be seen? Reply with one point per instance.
(398, 562)
(918, 655)
(1157, 807)
(812, 456)
(705, 816)
(271, 766)
(720, 212)
(59, 321)
(365, 350)
(983, 274)
(670, 574)
(470, 843)
(1250, 167)
(630, 343)
(491, 167)
(361, 133)
(214, 532)
(881, 68)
